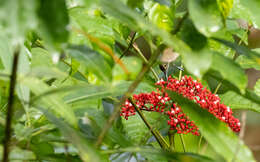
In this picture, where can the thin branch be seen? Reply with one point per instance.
(130, 90)
(145, 61)
(8, 129)
(155, 133)
(129, 46)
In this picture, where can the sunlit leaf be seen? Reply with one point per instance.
(206, 16)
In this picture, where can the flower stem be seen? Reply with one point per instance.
(183, 143)
(161, 141)
(171, 134)
(145, 61)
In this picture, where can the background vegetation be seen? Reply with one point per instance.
(66, 67)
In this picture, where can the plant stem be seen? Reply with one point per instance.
(129, 46)
(183, 143)
(171, 134)
(199, 143)
(145, 61)
(180, 73)
(8, 129)
(155, 133)
(130, 90)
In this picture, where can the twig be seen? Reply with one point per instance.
(8, 129)
(178, 26)
(145, 61)
(181, 136)
(129, 46)
(130, 90)
(155, 133)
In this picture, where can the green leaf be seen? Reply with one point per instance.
(86, 150)
(18, 22)
(18, 154)
(257, 88)
(247, 63)
(154, 154)
(230, 71)
(41, 57)
(6, 55)
(101, 28)
(206, 16)
(253, 7)
(133, 65)
(236, 101)
(225, 7)
(53, 102)
(93, 61)
(219, 136)
(241, 12)
(136, 22)
(94, 92)
(54, 21)
(242, 50)
(137, 130)
(191, 36)
(161, 16)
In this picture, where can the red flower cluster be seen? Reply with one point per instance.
(189, 88)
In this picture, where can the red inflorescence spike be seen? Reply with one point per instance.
(160, 102)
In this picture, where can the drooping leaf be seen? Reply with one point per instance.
(206, 16)
(219, 136)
